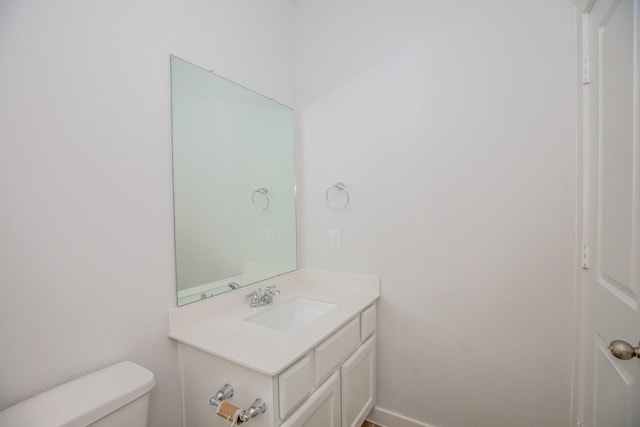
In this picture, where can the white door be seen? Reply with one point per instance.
(612, 211)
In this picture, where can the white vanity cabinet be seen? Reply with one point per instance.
(331, 385)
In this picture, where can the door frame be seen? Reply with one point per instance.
(583, 298)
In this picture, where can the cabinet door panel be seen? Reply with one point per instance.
(295, 384)
(358, 385)
(322, 408)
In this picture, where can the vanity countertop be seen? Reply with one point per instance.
(226, 334)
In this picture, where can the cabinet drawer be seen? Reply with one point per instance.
(335, 349)
(294, 385)
(368, 322)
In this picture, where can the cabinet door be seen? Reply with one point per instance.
(322, 408)
(295, 384)
(359, 384)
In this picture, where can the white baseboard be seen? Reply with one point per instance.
(388, 418)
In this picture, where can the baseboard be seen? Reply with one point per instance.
(385, 417)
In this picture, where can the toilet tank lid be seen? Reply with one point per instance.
(82, 401)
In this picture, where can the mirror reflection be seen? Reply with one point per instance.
(234, 184)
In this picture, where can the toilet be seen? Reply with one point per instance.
(115, 396)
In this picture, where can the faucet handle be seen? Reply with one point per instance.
(254, 293)
(254, 298)
(271, 290)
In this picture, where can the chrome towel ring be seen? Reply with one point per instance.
(263, 194)
(339, 190)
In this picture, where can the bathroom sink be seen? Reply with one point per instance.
(292, 315)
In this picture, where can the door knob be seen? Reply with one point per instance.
(623, 350)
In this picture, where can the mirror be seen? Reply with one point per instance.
(233, 183)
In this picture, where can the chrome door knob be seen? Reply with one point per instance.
(623, 350)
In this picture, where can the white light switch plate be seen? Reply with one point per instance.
(270, 236)
(334, 239)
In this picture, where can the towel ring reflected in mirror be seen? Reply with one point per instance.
(260, 199)
(338, 190)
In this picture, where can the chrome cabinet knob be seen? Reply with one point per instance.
(623, 350)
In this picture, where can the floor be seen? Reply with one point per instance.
(370, 424)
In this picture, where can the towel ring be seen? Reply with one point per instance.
(339, 186)
(264, 193)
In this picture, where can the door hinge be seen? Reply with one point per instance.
(585, 256)
(586, 71)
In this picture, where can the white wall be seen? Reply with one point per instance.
(86, 240)
(453, 124)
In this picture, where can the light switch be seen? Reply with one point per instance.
(271, 236)
(334, 239)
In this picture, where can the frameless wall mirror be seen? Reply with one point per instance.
(234, 184)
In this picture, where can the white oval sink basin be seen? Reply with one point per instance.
(292, 315)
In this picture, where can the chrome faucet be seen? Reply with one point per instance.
(258, 299)
(269, 293)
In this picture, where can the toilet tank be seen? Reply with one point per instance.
(114, 396)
